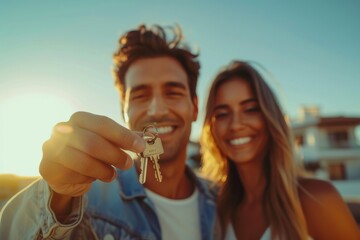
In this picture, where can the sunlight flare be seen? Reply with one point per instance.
(26, 121)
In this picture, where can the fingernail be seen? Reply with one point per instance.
(129, 162)
(138, 144)
(114, 175)
(64, 128)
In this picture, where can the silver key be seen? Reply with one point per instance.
(143, 170)
(153, 150)
(156, 166)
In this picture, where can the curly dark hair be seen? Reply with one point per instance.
(152, 42)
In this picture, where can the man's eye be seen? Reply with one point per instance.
(138, 96)
(174, 93)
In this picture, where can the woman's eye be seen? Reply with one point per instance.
(253, 109)
(221, 115)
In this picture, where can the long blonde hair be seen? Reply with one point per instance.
(281, 202)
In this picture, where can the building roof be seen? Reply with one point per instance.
(340, 120)
(326, 122)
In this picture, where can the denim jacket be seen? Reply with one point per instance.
(116, 210)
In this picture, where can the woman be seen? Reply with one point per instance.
(247, 149)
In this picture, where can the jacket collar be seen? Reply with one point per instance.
(130, 187)
(129, 184)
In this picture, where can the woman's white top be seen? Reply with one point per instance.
(230, 234)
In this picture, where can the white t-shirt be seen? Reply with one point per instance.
(179, 219)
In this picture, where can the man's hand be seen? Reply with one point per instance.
(86, 148)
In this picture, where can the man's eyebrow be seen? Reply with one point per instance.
(176, 85)
(138, 88)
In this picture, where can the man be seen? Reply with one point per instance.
(90, 186)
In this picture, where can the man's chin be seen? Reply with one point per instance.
(167, 158)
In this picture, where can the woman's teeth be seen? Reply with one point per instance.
(239, 141)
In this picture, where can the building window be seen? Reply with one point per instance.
(339, 139)
(299, 140)
(357, 135)
(337, 171)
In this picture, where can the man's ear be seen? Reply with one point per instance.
(196, 108)
(122, 112)
(122, 100)
(124, 115)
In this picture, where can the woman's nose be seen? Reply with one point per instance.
(237, 121)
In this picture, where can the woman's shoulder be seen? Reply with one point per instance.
(312, 187)
(317, 195)
(325, 211)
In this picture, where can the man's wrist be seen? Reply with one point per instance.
(61, 206)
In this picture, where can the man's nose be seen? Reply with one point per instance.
(158, 107)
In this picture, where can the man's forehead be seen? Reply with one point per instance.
(155, 71)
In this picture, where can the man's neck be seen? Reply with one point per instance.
(175, 183)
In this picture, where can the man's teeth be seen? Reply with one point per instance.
(239, 141)
(164, 130)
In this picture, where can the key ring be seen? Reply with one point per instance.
(150, 137)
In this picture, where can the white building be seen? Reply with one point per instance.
(193, 155)
(328, 145)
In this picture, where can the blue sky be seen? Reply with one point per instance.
(62, 50)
